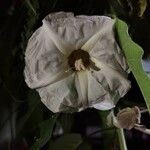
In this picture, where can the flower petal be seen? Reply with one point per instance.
(44, 63)
(98, 96)
(105, 27)
(103, 46)
(117, 82)
(61, 95)
(72, 32)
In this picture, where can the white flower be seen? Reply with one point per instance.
(74, 62)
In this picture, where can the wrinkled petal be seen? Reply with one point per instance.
(70, 32)
(91, 93)
(114, 81)
(61, 95)
(105, 27)
(98, 96)
(104, 47)
(45, 64)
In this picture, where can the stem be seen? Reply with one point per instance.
(31, 7)
(122, 141)
(144, 111)
(143, 129)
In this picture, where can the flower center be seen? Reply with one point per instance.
(79, 60)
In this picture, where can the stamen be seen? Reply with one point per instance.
(79, 60)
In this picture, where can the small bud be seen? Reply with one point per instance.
(128, 117)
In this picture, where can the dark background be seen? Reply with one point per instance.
(17, 23)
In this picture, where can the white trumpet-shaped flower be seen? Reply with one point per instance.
(74, 62)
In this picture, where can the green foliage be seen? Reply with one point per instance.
(142, 7)
(133, 53)
(33, 114)
(84, 146)
(32, 7)
(66, 142)
(46, 129)
(34, 108)
(109, 136)
(128, 9)
(66, 121)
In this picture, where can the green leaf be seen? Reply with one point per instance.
(66, 142)
(112, 136)
(142, 5)
(84, 146)
(46, 129)
(127, 5)
(32, 9)
(66, 120)
(33, 100)
(128, 9)
(109, 136)
(133, 53)
(117, 8)
(29, 4)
